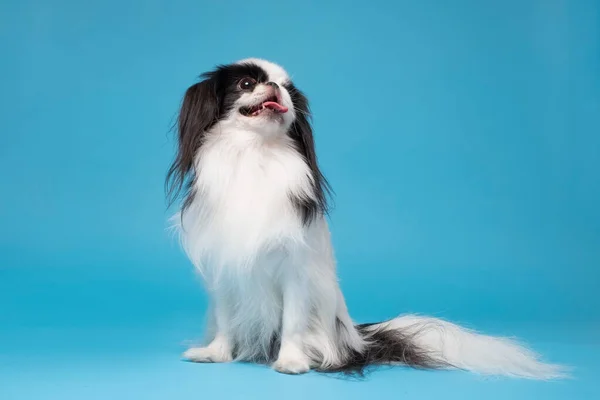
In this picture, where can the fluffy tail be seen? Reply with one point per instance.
(436, 344)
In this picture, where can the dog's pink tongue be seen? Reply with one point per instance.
(275, 106)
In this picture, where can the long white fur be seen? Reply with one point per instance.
(268, 274)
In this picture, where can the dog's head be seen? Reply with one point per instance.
(252, 96)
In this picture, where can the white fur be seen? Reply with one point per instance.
(268, 274)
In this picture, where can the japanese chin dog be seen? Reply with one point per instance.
(253, 222)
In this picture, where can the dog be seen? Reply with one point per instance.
(253, 222)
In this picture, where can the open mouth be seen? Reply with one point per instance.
(272, 104)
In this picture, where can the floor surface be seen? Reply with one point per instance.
(144, 364)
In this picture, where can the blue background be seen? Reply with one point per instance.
(462, 139)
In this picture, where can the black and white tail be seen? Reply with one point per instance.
(431, 343)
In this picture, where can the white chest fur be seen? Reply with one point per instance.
(243, 206)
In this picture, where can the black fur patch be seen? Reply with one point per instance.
(385, 347)
(302, 135)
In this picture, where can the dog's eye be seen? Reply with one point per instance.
(247, 84)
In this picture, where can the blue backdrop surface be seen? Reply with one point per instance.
(462, 140)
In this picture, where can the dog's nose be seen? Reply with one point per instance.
(273, 84)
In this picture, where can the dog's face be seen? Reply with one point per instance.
(255, 96)
(252, 96)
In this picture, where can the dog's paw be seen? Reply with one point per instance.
(207, 355)
(294, 362)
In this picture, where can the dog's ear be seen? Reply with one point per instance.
(199, 112)
(302, 135)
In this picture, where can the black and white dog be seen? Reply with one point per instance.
(253, 223)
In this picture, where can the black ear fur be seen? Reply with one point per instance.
(199, 112)
(301, 133)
